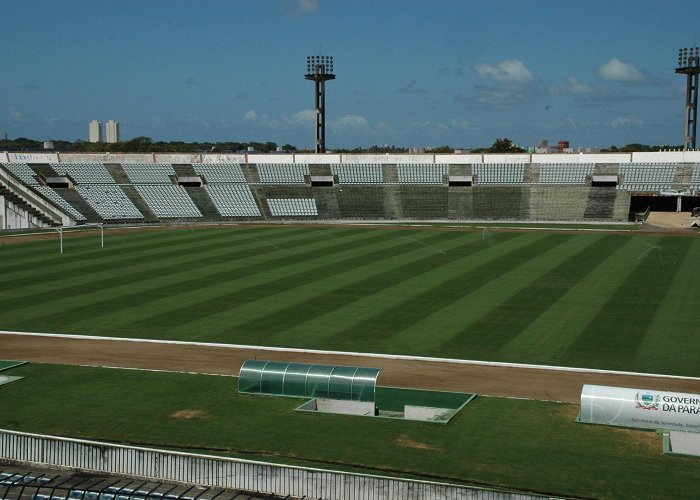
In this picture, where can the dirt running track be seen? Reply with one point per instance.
(510, 381)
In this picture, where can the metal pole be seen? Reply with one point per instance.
(60, 230)
(319, 122)
(102, 236)
(323, 116)
(693, 111)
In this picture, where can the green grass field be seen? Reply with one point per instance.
(603, 300)
(530, 445)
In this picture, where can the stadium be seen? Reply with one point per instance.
(136, 286)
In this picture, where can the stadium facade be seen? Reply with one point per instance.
(64, 189)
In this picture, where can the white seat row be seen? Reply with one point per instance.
(283, 207)
(421, 173)
(23, 172)
(84, 173)
(233, 200)
(636, 174)
(366, 173)
(109, 202)
(283, 173)
(221, 172)
(565, 173)
(499, 173)
(168, 201)
(56, 199)
(148, 173)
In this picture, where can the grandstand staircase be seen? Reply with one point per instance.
(18, 200)
(203, 203)
(601, 203)
(326, 202)
(392, 200)
(118, 173)
(73, 198)
(184, 170)
(44, 169)
(139, 203)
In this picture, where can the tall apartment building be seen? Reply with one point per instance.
(95, 131)
(112, 131)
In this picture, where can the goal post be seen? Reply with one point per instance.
(61, 229)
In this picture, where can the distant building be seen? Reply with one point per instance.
(112, 134)
(95, 131)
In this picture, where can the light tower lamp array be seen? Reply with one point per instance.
(689, 65)
(319, 69)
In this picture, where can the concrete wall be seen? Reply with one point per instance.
(245, 475)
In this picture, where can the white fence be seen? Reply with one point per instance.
(205, 470)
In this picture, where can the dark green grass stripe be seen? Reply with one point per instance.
(381, 327)
(289, 317)
(488, 334)
(176, 260)
(613, 337)
(239, 297)
(310, 248)
(94, 261)
(222, 270)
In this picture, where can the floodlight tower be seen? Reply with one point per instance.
(320, 69)
(689, 64)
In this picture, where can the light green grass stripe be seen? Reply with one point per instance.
(316, 331)
(672, 341)
(551, 334)
(180, 309)
(149, 282)
(342, 277)
(446, 324)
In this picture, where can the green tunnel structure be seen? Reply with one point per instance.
(306, 380)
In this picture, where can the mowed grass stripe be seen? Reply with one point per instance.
(567, 266)
(389, 323)
(549, 335)
(266, 278)
(141, 287)
(157, 270)
(391, 289)
(375, 274)
(289, 298)
(615, 335)
(125, 256)
(486, 288)
(672, 343)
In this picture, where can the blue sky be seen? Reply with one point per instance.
(409, 73)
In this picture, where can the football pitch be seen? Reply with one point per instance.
(586, 299)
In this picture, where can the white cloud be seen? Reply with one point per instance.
(250, 116)
(306, 117)
(512, 71)
(350, 121)
(573, 86)
(307, 6)
(625, 122)
(616, 70)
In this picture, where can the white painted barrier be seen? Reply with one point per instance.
(245, 475)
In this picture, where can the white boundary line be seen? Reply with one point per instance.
(353, 354)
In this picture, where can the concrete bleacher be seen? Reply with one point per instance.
(364, 173)
(292, 207)
(220, 173)
(168, 201)
(233, 200)
(282, 173)
(695, 177)
(565, 173)
(646, 176)
(499, 173)
(419, 173)
(109, 202)
(149, 173)
(84, 173)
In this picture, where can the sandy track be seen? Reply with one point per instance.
(510, 381)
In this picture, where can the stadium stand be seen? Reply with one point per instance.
(695, 177)
(233, 200)
(220, 173)
(149, 174)
(366, 173)
(23, 172)
(410, 173)
(289, 207)
(109, 202)
(284, 173)
(56, 199)
(565, 173)
(84, 173)
(499, 173)
(168, 201)
(646, 176)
